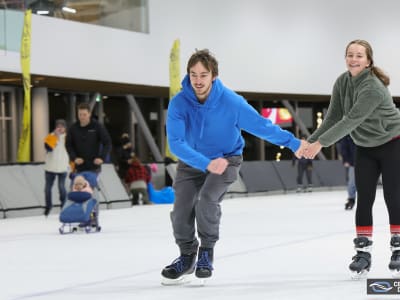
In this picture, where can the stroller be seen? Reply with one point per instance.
(81, 210)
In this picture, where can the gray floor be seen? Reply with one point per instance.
(294, 246)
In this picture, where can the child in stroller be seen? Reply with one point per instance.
(81, 210)
(80, 184)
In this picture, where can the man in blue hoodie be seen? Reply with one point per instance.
(204, 124)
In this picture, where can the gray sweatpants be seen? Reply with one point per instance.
(197, 200)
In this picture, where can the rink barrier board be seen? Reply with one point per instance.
(22, 185)
(273, 176)
(22, 190)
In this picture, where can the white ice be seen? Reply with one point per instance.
(290, 246)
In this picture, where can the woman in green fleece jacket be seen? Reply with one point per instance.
(362, 106)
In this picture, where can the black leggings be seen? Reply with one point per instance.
(370, 163)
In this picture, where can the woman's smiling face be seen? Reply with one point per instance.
(356, 59)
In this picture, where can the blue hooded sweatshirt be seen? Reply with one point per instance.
(200, 132)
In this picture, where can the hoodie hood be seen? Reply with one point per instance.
(202, 109)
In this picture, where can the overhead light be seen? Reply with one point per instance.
(69, 9)
(42, 12)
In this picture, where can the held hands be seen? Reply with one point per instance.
(308, 150)
(303, 147)
(312, 150)
(218, 166)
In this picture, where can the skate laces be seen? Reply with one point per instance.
(396, 255)
(204, 261)
(361, 256)
(179, 263)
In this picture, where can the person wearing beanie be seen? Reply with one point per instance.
(56, 164)
(124, 154)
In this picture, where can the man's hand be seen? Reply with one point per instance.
(218, 166)
(312, 150)
(303, 146)
(78, 161)
(98, 161)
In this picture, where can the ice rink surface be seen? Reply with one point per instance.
(290, 246)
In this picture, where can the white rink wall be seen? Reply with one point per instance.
(282, 46)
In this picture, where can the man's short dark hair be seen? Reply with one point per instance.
(207, 60)
(84, 106)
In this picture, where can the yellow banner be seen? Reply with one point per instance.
(174, 82)
(24, 148)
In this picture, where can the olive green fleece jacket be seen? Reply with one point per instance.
(362, 107)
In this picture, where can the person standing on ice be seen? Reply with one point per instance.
(361, 105)
(56, 164)
(204, 124)
(347, 150)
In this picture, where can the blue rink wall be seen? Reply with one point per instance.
(22, 185)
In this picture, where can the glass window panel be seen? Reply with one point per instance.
(122, 14)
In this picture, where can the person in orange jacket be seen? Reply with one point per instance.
(56, 164)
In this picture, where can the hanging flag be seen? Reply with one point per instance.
(24, 147)
(277, 115)
(174, 82)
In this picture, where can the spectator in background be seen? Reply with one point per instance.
(304, 166)
(151, 169)
(137, 177)
(124, 154)
(56, 164)
(88, 142)
(347, 151)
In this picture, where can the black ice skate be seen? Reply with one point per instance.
(394, 265)
(349, 204)
(179, 270)
(362, 260)
(204, 263)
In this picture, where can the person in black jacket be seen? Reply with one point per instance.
(88, 142)
(125, 153)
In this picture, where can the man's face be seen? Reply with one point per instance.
(201, 80)
(84, 117)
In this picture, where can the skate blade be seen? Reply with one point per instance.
(184, 279)
(395, 273)
(359, 275)
(199, 282)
